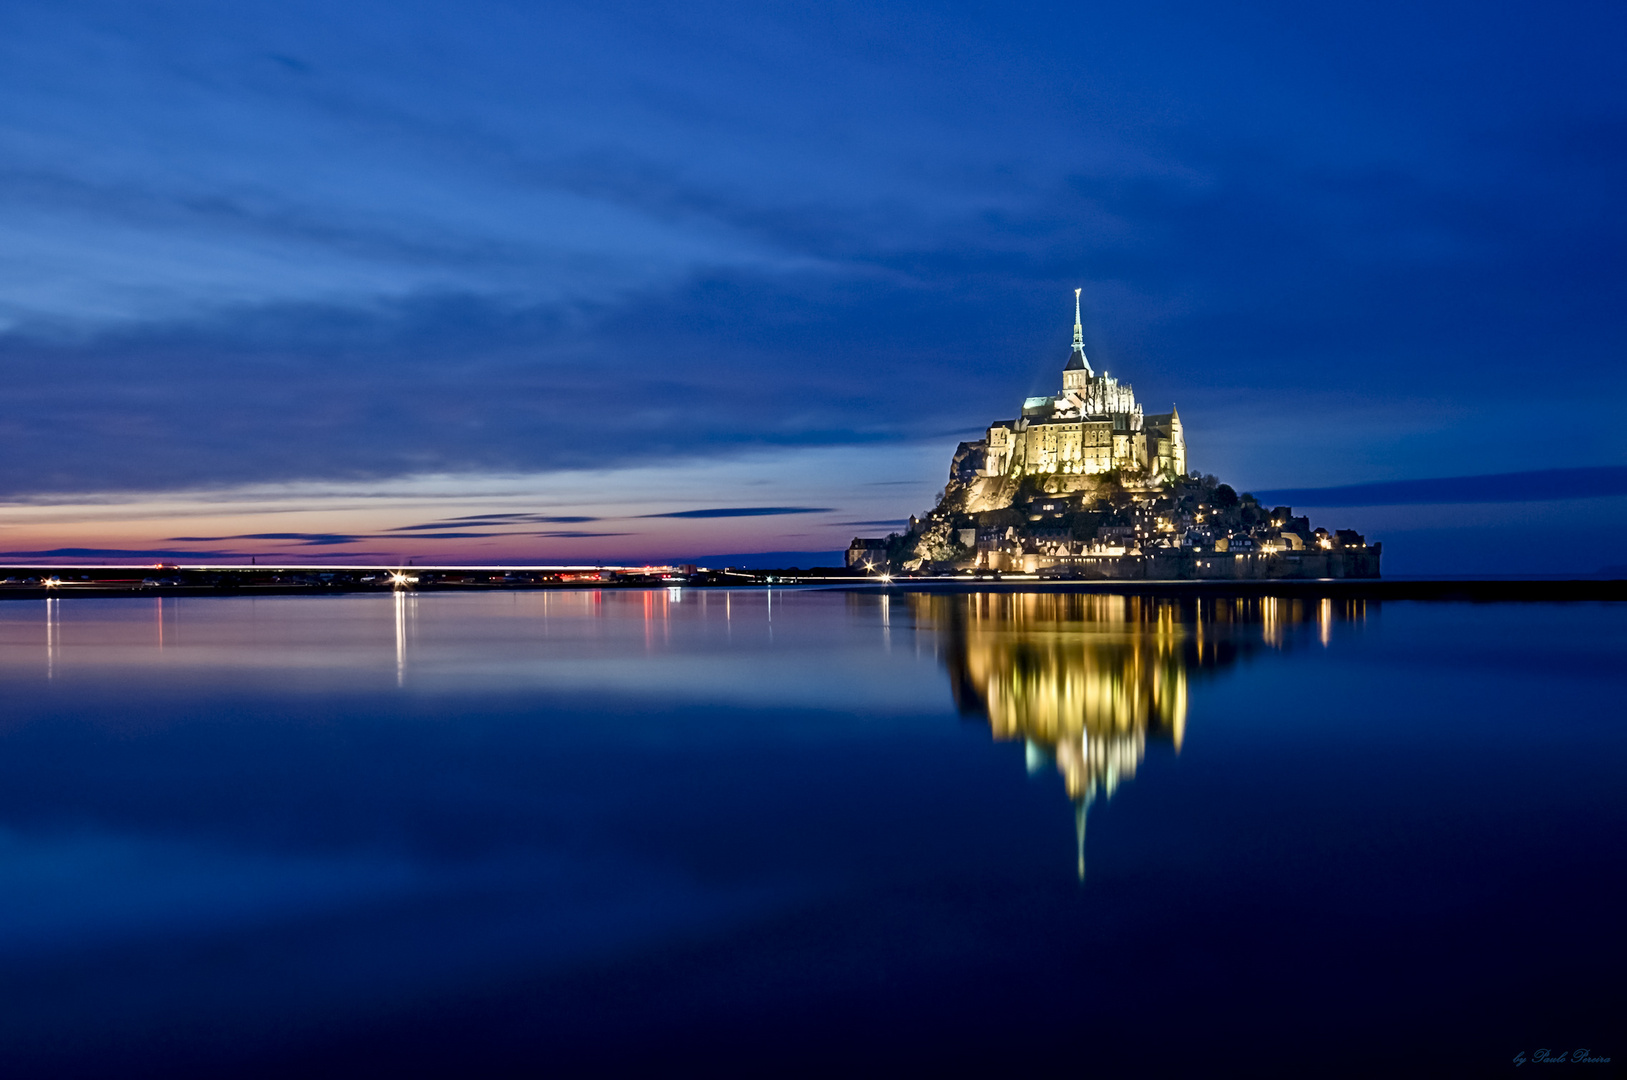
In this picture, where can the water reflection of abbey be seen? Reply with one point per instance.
(1086, 679)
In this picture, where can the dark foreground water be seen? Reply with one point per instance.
(561, 833)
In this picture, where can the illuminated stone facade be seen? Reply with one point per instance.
(1092, 425)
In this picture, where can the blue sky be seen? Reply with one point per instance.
(302, 271)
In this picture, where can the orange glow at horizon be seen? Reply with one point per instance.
(808, 500)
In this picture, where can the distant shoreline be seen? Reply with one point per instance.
(1475, 591)
(1486, 590)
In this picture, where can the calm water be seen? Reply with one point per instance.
(573, 832)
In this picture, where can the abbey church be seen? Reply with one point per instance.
(1093, 425)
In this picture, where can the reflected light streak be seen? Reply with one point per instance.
(53, 629)
(400, 637)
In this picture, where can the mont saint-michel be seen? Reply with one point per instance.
(1084, 483)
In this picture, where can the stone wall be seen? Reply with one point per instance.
(1360, 562)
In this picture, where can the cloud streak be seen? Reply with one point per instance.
(497, 520)
(336, 539)
(741, 511)
(1542, 485)
(559, 519)
(306, 539)
(121, 553)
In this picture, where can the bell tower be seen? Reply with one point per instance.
(1077, 373)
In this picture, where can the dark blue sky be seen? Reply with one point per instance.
(341, 248)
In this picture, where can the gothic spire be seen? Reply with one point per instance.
(1077, 361)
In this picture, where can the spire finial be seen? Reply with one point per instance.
(1080, 808)
(1078, 329)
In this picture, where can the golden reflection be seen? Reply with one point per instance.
(400, 637)
(1087, 679)
(53, 635)
(406, 613)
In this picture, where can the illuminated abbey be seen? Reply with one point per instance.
(1093, 425)
(1083, 484)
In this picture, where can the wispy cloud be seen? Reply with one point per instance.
(307, 539)
(1543, 485)
(769, 559)
(330, 539)
(567, 534)
(496, 520)
(440, 536)
(741, 511)
(122, 553)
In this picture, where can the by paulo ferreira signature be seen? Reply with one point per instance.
(1560, 1057)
